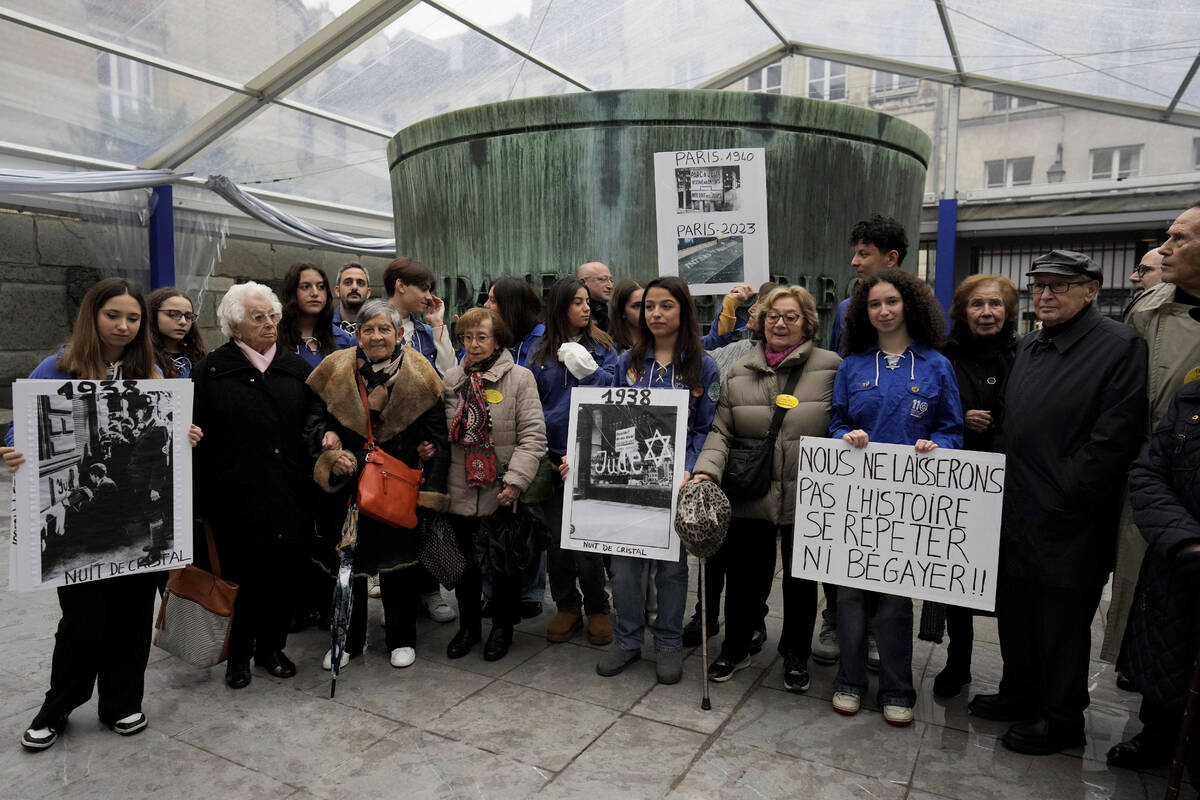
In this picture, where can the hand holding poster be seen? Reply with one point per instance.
(625, 451)
(712, 217)
(106, 485)
(886, 519)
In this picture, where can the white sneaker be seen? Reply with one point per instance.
(373, 586)
(846, 703)
(403, 657)
(327, 661)
(872, 653)
(898, 715)
(437, 608)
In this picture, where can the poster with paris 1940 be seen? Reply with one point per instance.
(106, 487)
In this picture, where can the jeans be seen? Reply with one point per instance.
(629, 597)
(893, 626)
(566, 567)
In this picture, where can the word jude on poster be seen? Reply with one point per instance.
(712, 217)
(625, 449)
(887, 519)
(105, 489)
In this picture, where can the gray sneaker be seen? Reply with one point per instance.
(826, 650)
(670, 667)
(872, 653)
(615, 660)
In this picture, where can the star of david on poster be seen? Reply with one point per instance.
(664, 448)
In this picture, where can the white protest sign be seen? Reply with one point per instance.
(625, 448)
(106, 487)
(712, 217)
(887, 519)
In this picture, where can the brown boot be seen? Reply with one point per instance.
(564, 625)
(600, 629)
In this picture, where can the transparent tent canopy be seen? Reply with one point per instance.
(300, 96)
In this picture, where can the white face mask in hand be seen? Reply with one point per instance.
(576, 358)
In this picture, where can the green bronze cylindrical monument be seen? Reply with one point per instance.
(536, 187)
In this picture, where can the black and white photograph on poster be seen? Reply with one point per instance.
(710, 259)
(106, 488)
(625, 449)
(711, 212)
(708, 189)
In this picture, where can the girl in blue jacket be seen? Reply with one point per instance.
(573, 352)
(174, 332)
(893, 388)
(667, 355)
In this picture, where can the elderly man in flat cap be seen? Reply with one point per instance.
(1075, 417)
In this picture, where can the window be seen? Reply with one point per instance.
(1116, 162)
(891, 83)
(1007, 102)
(826, 80)
(768, 80)
(1008, 172)
(129, 85)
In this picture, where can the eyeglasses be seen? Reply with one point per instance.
(178, 315)
(1055, 287)
(263, 319)
(471, 338)
(1142, 269)
(602, 279)
(792, 319)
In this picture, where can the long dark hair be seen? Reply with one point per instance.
(558, 328)
(289, 324)
(83, 358)
(689, 349)
(191, 345)
(518, 305)
(622, 332)
(922, 312)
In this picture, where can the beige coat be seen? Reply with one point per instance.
(747, 405)
(1173, 340)
(518, 429)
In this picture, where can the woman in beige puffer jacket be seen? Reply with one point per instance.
(492, 461)
(748, 401)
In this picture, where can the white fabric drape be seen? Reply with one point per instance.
(24, 181)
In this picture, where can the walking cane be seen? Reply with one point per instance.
(705, 703)
(1175, 776)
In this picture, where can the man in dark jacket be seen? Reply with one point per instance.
(599, 282)
(1075, 416)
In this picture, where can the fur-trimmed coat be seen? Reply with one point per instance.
(413, 414)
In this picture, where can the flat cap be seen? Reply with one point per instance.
(1066, 262)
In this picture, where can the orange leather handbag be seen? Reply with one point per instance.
(387, 487)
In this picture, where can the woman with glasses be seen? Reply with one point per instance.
(253, 475)
(893, 388)
(306, 327)
(178, 343)
(785, 349)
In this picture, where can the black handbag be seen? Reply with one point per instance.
(440, 553)
(748, 464)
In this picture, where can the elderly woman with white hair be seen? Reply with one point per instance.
(253, 473)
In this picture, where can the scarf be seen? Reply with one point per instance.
(775, 359)
(471, 428)
(376, 375)
(260, 361)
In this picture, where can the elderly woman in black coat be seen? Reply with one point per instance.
(404, 395)
(1164, 624)
(252, 473)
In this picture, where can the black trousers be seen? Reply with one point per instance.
(399, 590)
(800, 600)
(576, 578)
(264, 565)
(506, 589)
(103, 640)
(1046, 641)
(714, 584)
(960, 628)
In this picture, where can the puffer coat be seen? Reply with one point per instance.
(747, 405)
(518, 430)
(1164, 624)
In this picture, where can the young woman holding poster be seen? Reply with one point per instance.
(892, 388)
(667, 355)
(573, 352)
(178, 344)
(104, 634)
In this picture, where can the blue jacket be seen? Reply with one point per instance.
(917, 400)
(555, 382)
(713, 340)
(835, 329)
(341, 341)
(347, 325)
(702, 402)
(522, 351)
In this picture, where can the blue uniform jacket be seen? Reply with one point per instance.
(702, 402)
(555, 382)
(835, 329)
(917, 400)
(713, 340)
(341, 341)
(523, 350)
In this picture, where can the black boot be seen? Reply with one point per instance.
(463, 641)
(237, 674)
(499, 640)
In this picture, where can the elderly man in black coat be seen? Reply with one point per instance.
(1075, 416)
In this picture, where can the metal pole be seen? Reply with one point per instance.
(162, 238)
(705, 703)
